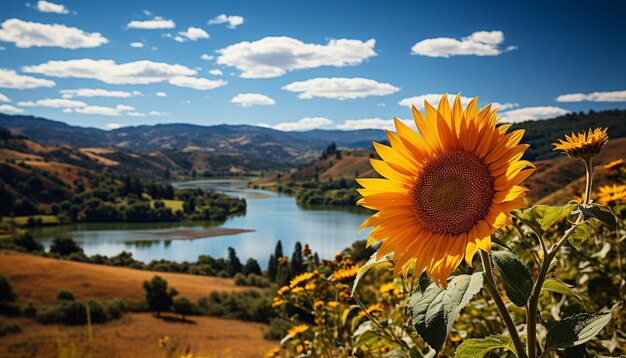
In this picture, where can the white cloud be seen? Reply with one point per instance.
(303, 124)
(97, 92)
(608, 96)
(252, 99)
(10, 79)
(45, 6)
(275, 56)
(136, 44)
(340, 88)
(433, 99)
(156, 23)
(10, 108)
(532, 114)
(135, 114)
(156, 113)
(233, 20)
(138, 72)
(4, 98)
(367, 123)
(53, 103)
(161, 94)
(480, 43)
(207, 57)
(115, 125)
(195, 33)
(216, 72)
(98, 110)
(27, 34)
(202, 84)
(124, 108)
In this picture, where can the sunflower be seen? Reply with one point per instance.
(614, 165)
(346, 274)
(583, 145)
(301, 278)
(299, 329)
(610, 194)
(446, 189)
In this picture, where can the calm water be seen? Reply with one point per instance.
(273, 217)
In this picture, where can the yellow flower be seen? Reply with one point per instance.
(297, 290)
(299, 329)
(283, 290)
(614, 165)
(446, 189)
(373, 309)
(610, 194)
(163, 341)
(306, 251)
(310, 286)
(388, 287)
(273, 352)
(318, 304)
(345, 274)
(583, 145)
(301, 278)
(282, 260)
(333, 304)
(277, 302)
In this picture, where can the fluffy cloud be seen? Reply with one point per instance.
(206, 57)
(10, 108)
(104, 111)
(136, 44)
(10, 79)
(202, 84)
(97, 92)
(4, 98)
(340, 88)
(433, 99)
(53, 103)
(610, 96)
(252, 99)
(138, 72)
(532, 114)
(481, 43)
(115, 125)
(156, 113)
(27, 34)
(304, 123)
(45, 6)
(233, 20)
(155, 24)
(275, 56)
(367, 123)
(195, 33)
(161, 94)
(216, 72)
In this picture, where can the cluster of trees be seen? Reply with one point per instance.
(340, 192)
(331, 150)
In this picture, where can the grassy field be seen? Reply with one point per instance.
(38, 279)
(23, 220)
(175, 205)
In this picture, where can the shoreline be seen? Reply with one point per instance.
(193, 235)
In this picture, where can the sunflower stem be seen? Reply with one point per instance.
(495, 295)
(589, 177)
(389, 333)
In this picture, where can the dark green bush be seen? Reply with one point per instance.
(7, 328)
(7, 294)
(75, 312)
(184, 306)
(65, 295)
(249, 305)
(277, 330)
(65, 246)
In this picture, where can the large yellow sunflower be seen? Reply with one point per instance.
(446, 189)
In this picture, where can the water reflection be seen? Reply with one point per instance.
(271, 216)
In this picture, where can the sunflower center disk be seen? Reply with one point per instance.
(452, 193)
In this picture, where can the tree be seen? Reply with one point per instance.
(297, 261)
(234, 265)
(158, 297)
(184, 306)
(272, 268)
(7, 294)
(65, 246)
(251, 266)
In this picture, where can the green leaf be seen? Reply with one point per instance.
(367, 336)
(541, 217)
(434, 310)
(576, 330)
(554, 285)
(580, 235)
(602, 213)
(479, 347)
(516, 278)
(367, 266)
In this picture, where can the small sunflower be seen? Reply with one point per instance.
(273, 352)
(614, 165)
(583, 145)
(346, 274)
(446, 189)
(388, 287)
(301, 278)
(610, 194)
(299, 329)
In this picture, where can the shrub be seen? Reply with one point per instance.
(75, 312)
(65, 295)
(65, 246)
(27, 242)
(7, 294)
(250, 305)
(7, 328)
(158, 297)
(251, 280)
(278, 329)
(184, 306)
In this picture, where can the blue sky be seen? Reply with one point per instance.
(297, 65)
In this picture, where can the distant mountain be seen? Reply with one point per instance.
(249, 141)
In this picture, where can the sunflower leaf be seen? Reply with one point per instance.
(541, 217)
(601, 213)
(479, 347)
(576, 330)
(367, 266)
(554, 285)
(434, 310)
(515, 276)
(580, 235)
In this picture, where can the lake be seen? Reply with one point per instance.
(272, 216)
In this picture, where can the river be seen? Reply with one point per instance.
(271, 216)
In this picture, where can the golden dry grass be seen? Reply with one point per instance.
(39, 279)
